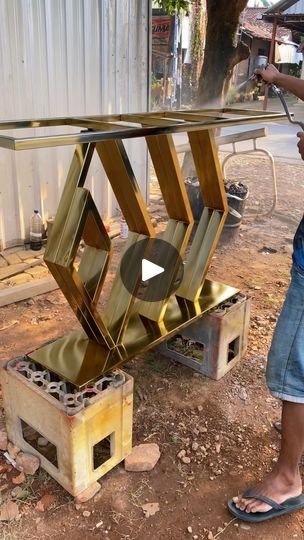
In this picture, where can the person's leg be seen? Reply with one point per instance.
(284, 481)
(285, 380)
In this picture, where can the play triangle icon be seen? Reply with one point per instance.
(150, 270)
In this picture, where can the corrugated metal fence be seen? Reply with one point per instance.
(64, 58)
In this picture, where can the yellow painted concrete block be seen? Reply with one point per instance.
(108, 417)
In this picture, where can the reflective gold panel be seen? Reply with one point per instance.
(131, 323)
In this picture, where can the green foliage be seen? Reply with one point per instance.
(295, 71)
(171, 6)
(265, 3)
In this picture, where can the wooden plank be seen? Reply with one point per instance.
(229, 139)
(27, 290)
(14, 269)
(242, 136)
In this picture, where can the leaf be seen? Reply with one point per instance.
(171, 6)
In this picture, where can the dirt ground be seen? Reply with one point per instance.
(174, 407)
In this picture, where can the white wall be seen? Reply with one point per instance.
(64, 58)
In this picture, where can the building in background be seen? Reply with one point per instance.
(177, 52)
(257, 34)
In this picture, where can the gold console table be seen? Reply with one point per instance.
(129, 325)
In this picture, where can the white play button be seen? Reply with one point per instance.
(150, 270)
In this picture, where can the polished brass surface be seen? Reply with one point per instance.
(128, 326)
(222, 117)
(80, 360)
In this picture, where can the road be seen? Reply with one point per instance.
(281, 142)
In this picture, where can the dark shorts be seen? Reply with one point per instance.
(285, 367)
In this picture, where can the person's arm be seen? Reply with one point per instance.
(292, 84)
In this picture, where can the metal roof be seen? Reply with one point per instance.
(296, 9)
(287, 6)
(288, 13)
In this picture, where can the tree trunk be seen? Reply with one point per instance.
(222, 52)
(198, 38)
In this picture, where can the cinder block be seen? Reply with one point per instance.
(85, 442)
(216, 342)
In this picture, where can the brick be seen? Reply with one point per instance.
(37, 272)
(73, 434)
(142, 458)
(27, 463)
(3, 262)
(88, 493)
(31, 260)
(11, 258)
(8, 271)
(19, 279)
(34, 254)
(25, 254)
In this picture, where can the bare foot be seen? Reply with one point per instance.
(275, 486)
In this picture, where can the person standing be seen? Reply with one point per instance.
(280, 492)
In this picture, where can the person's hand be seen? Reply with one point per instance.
(301, 143)
(269, 74)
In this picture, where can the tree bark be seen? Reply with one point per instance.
(198, 38)
(222, 52)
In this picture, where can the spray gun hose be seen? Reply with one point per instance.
(280, 95)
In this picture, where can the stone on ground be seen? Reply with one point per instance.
(27, 463)
(150, 509)
(18, 492)
(45, 502)
(9, 511)
(88, 493)
(142, 458)
(20, 479)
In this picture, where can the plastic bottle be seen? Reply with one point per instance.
(36, 231)
(124, 229)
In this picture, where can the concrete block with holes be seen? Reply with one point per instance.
(216, 342)
(80, 441)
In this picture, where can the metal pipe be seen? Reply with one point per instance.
(280, 95)
(271, 59)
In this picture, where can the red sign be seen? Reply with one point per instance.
(161, 29)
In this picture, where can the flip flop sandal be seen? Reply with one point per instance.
(286, 507)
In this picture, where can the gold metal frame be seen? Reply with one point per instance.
(129, 326)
